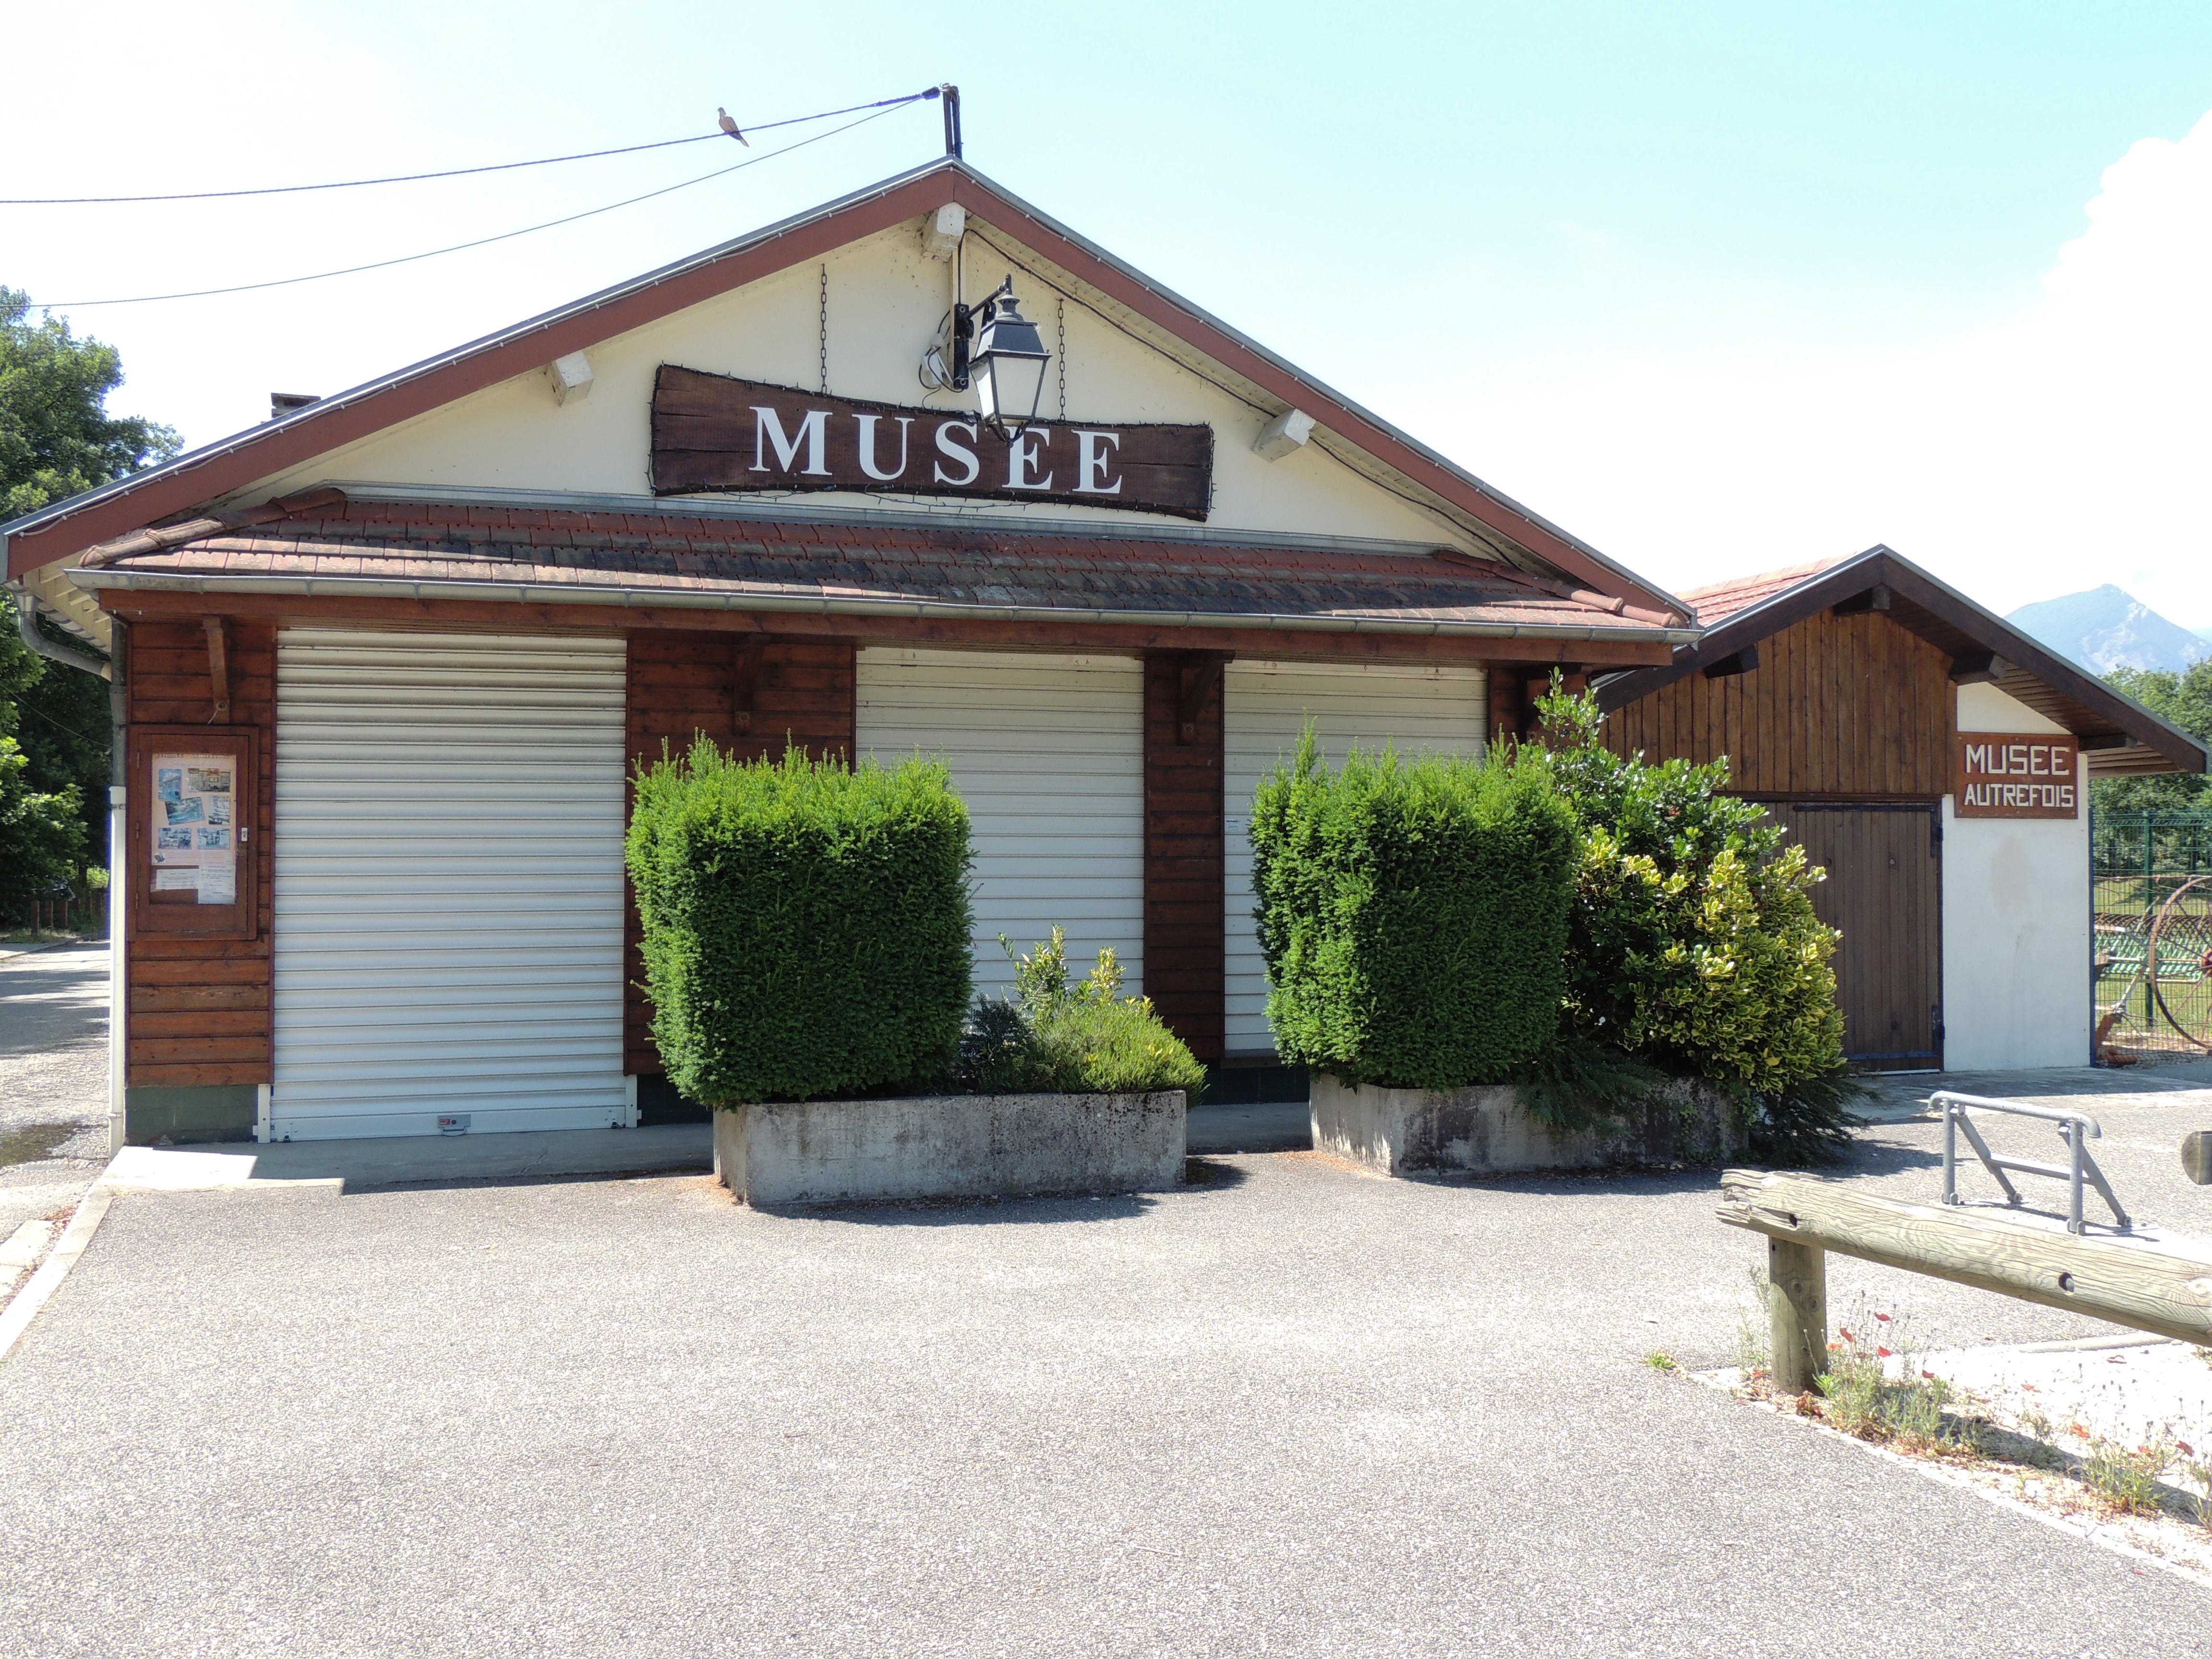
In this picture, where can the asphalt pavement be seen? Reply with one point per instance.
(1289, 1409)
(53, 1079)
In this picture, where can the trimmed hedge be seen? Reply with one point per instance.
(806, 925)
(1413, 914)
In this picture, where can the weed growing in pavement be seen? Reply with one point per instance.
(1753, 1355)
(1660, 1360)
(1905, 1412)
(2124, 1478)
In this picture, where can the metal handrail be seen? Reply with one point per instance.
(2075, 1128)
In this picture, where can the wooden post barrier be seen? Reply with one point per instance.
(2127, 1281)
(1796, 1312)
(2196, 1155)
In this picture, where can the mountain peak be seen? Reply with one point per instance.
(2107, 628)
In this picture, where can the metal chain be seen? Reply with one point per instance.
(1063, 362)
(825, 331)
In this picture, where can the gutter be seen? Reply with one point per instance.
(918, 610)
(26, 624)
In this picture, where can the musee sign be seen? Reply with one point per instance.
(711, 432)
(2007, 774)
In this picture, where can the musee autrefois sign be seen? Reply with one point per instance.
(711, 432)
(2005, 774)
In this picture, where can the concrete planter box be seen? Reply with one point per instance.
(1405, 1131)
(820, 1151)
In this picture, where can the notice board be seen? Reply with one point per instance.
(190, 803)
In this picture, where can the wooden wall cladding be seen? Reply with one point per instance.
(683, 683)
(1840, 707)
(200, 1009)
(1184, 848)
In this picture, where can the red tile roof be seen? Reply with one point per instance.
(970, 565)
(1715, 603)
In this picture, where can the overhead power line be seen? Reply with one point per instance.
(480, 241)
(457, 173)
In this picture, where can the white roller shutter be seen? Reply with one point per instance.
(1413, 707)
(449, 883)
(1049, 752)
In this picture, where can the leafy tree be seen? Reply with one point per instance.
(1693, 943)
(56, 439)
(42, 837)
(2186, 701)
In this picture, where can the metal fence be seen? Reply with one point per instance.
(2151, 904)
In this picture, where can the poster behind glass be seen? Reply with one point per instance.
(195, 824)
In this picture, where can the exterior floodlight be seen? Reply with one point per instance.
(996, 349)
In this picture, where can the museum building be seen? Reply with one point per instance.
(919, 470)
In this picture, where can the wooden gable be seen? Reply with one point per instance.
(1844, 708)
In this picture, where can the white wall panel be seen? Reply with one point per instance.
(1049, 752)
(449, 883)
(1417, 709)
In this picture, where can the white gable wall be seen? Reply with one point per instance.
(2015, 921)
(886, 302)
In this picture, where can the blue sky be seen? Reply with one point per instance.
(1719, 287)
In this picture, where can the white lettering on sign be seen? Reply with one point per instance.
(813, 432)
(2001, 775)
(868, 448)
(1021, 459)
(1092, 456)
(953, 451)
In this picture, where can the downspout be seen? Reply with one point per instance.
(26, 624)
(119, 891)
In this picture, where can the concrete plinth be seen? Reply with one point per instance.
(819, 1151)
(1486, 1129)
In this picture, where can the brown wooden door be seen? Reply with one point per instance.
(1884, 892)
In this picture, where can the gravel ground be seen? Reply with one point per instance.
(1291, 1409)
(53, 1079)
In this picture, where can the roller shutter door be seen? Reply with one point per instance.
(1049, 752)
(449, 883)
(1414, 707)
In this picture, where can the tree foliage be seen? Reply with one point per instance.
(1693, 943)
(2186, 701)
(41, 838)
(56, 437)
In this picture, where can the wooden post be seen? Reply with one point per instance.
(2196, 1155)
(1796, 1313)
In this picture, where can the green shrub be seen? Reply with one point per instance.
(1085, 1039)
(1693, 944)
(1413, 914)
(806, 925)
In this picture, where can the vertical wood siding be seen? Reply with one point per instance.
(680, 685)
(1183, 842)
(200, 1008)
(1838, 706)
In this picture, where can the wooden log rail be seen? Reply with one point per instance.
(2144, 1286)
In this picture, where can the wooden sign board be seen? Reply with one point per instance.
(713, 433)
(2012, 775)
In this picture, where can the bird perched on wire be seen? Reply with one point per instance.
(730, 127)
